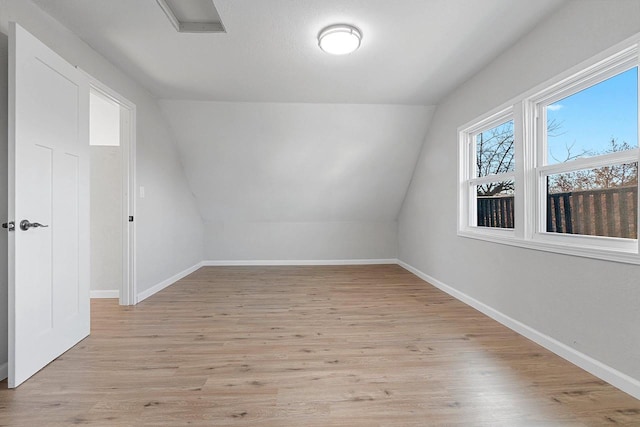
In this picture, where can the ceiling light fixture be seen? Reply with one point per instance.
(339, 39)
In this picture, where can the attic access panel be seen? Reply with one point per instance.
(193, 16)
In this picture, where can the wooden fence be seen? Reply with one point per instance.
(610, 212)
(495, 212)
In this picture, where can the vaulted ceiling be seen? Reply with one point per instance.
(269, 127)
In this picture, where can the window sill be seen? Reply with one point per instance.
(581, 250)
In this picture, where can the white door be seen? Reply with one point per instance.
(48, 185)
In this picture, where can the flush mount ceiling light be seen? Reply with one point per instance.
(339, 39)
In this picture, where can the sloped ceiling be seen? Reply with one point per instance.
(269, 127)
(298, 162)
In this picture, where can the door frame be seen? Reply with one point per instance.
(128, 289)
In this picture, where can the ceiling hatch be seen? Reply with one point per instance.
(193, 16)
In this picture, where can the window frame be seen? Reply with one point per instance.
(528, 111)
(469, 179)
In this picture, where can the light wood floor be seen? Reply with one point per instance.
(308, 346)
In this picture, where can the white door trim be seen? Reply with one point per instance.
(128, 293)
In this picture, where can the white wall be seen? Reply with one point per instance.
(592, 306)
(298, 181)
(106, 218)
(104, 120)
(168, 225)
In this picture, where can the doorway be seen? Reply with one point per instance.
(112, 144)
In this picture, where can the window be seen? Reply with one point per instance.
(490, 176)
(558, 168)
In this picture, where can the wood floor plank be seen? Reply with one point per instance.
(308, 346)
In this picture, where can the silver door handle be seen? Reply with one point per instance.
(26, 225)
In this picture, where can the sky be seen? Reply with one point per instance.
(590, 118)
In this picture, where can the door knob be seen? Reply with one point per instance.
(10, 226)
(26, 225)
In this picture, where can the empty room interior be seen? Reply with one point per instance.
(319, 212)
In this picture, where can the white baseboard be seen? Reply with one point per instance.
(283, 262)
(614, 377)
(4, 370)
(114, 293)
(165, 283)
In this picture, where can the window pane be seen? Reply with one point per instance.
(596, 202)
(494, 204)
(600, 119)
(494, 150)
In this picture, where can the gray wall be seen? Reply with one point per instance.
(106, 218)
(301, 240)
(168, 225)
(298, 181)
(592, 306)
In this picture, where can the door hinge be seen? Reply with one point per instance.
(10, 226)
(130, 218)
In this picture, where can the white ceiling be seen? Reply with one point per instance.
(413, 51)
(269, 127)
